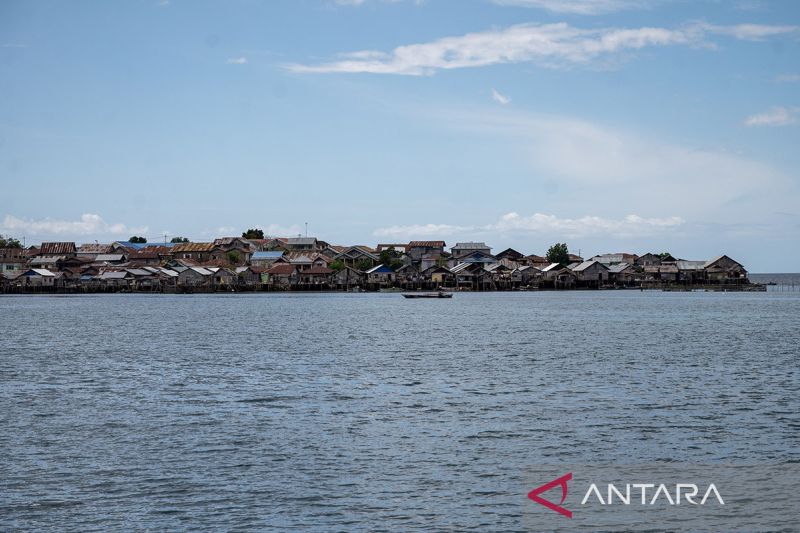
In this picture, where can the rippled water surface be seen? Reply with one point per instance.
(371, 412)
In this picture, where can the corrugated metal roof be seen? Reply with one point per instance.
(318, 270)
(690, 265)
(189, 247)
(139, 272)
(281, 269)
(41, 271)
(94, 248)
(131, 245)
(619, 267)
(587, 264)
(470, 246)
(114, 274)
(57, 248)
(379, 269)
(109, 257)
(459, 267)
(426, 244)
(301, 241)
(45, 260)
(266, 255)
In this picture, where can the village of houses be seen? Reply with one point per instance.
(311, 264)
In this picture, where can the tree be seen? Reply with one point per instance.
(558, 253)
(9, 242)
(391, 258)
(179, 239)
(234, 257)
(253, 233)
(364, 264)
(664, 255)
(336, 265)
(139, 240)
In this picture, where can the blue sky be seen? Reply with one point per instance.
(613, 125)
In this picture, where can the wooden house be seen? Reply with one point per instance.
(464, 249)
(353, 256)
(415, 250)
(316, 276)
(723, 269)
(348, 278)
(591, 273)
(381, 275)
(282, 275)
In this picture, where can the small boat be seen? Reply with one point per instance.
(439, 294)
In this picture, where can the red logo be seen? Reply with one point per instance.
(562, 481)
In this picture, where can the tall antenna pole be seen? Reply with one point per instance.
(306, 229)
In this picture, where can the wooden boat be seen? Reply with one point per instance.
(439, 294)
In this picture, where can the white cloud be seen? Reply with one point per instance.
(550, 45)
(237, 61)
(576, 166)
(787, 78)
(587, 225)
(578, 7)
(777, 116)
(277, 230)
(749, 32)
(539, 223)
(421, 230)
(88, 224)
(499, 98)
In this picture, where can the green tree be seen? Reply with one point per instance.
(234, 257)
(391, 258)
(140, 240)
(663, 255)
(364, 264)
(9, 242)
(179, 239)
(336, 265)
(253, 233)
(558, 253)
(441, 261)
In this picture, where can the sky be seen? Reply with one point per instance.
(611, 125)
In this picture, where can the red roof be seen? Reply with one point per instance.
(281, 269)
(317, 271)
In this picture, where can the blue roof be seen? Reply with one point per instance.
(379, 269)
(266, 255)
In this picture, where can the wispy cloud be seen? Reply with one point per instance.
(421, 230)
(550, 45)
(579, 7)
(787, 78)
(749, 32)
(777, 116)
(354, 3)
(13, 45)
(586, 167)
(540, 223)
(237, 61)
(499, 98)
(89, 224)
